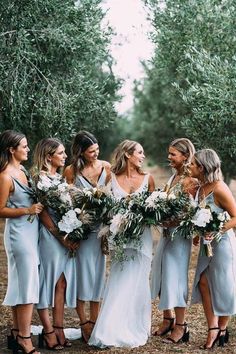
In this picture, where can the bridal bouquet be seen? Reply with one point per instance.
(201, 221)
(125, 224)
(56, 194)
(167, 207)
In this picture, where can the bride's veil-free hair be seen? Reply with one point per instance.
(119, 159)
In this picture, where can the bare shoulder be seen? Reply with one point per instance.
(5, 180)
(69, 174)
(5, 177)
(151, 183)
(220, 188)
(106, 164)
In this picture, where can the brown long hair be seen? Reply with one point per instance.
(82, 141)
(8, 139)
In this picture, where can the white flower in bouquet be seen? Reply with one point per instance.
(171, 196)
(88, 192)
(66, 198)
(77, 210)
(223, 216)
(44, 183)
(151, 200)
(202, 217)
(162, 195)
(63, 187)
(116, 223)
(69, 222)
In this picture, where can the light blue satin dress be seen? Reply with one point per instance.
(21, 243)
(125, 316)
(91, 262)
(55, 260)
(169, 280)
(220, 271)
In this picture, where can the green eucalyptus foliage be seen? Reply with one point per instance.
(55, 68)
(190, 87)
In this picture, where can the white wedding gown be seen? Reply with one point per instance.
(125, 316)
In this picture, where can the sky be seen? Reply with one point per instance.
(130, 45)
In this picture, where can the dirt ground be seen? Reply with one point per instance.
(195, 316)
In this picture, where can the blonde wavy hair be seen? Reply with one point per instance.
(44, 147)
(186, 147)
(211, 164)
(119, 159)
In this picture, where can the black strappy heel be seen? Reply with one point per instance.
(226, 335)
(43, 340)
(11, 339)
(184, 338)
(216, 339)
(18, 347)
(168, 329)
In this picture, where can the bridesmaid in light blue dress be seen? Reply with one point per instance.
(125, 316)
(172, 286)
(57, 269)
(86, 171)
(20, 237)
(215, 278)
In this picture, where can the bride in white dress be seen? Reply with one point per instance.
(125, 316)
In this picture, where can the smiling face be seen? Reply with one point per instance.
(91, 153)
(20, 153)
(176, 158)
(195, 169)
(137, 158)
(58, 158)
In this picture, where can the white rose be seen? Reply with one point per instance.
(202, 217)
(69, 222)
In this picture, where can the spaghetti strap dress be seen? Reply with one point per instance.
(90, 260)
(55, 260)
(125, 316)
(21, 243)
(169, 279)
(220, 270)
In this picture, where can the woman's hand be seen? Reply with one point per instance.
(168, 224)
(35, 209)
(71, 246)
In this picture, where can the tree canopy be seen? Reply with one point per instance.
(56, 71)
(190, 85)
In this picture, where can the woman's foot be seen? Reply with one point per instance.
(166, 326)
(86, 330)
(51, 340)
(62, 340)
(212, 337)
(25, 344)
(179, 334)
